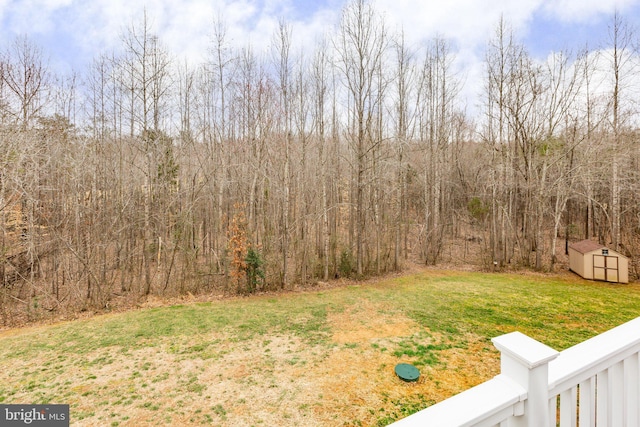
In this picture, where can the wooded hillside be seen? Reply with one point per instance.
(145, 175)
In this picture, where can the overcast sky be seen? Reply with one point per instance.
(72, 32)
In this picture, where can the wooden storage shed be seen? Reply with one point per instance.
(594, 261)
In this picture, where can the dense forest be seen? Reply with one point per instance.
(145, 175)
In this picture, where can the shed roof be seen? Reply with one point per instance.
(585, 246)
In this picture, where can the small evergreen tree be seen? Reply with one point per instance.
(346, 263)
(254, 270)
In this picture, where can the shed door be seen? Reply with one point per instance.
(605, 268)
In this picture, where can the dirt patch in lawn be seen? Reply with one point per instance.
(366, 322)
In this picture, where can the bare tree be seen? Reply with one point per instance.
(147, 70)
(282, 52)
(147, 64)
(405, 81)
(361, 44)
(501, 51)
(26, 77)
(438, 91)
(320, 76)
(621, 38)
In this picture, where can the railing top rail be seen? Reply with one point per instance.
(494, 399)
(586, 359)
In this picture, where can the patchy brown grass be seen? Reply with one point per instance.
(267, 380)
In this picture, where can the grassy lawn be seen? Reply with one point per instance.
(313, 358)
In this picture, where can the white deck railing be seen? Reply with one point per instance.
(594, 383)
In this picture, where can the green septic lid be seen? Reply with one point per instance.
(407, 372)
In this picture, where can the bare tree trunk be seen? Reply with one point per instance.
(283, 46)
(361, 44)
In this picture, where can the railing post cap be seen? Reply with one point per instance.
(526, 350)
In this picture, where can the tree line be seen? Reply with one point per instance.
(254, 170)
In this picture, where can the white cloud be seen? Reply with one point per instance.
(186, 28)
(310, 32)
(584, 10)
(468, 22)
(472, 22)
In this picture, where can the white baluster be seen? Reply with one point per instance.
(588, 403)
(632, 390)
